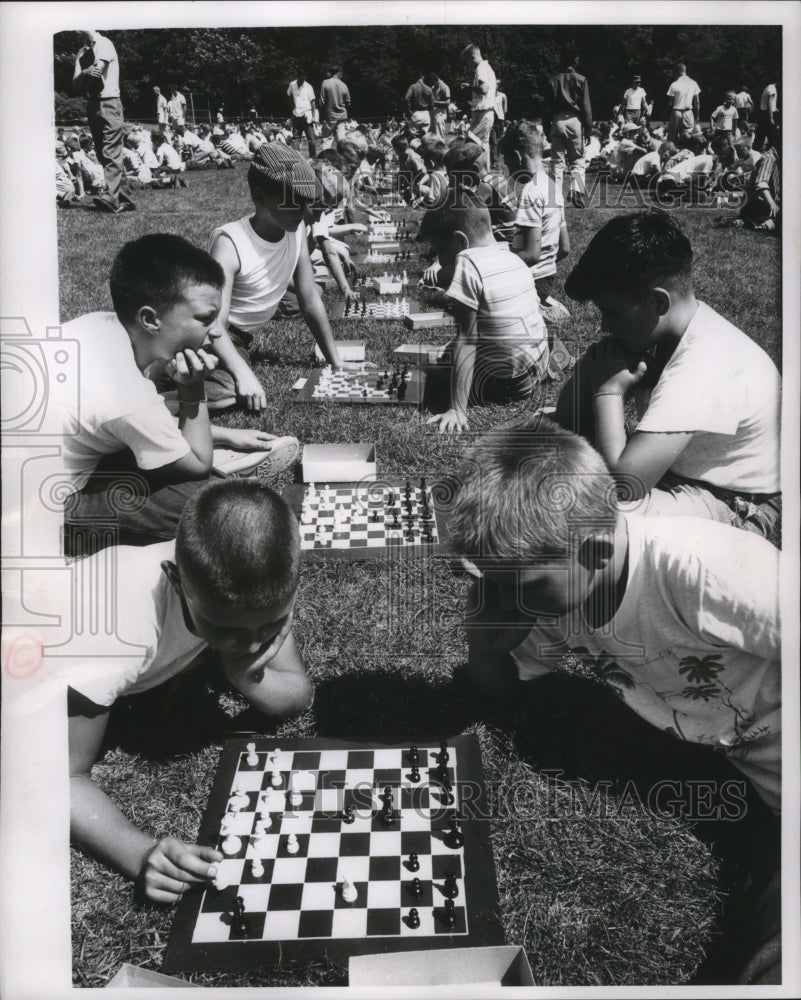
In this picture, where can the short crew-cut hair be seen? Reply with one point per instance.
(530, 490)
(524, 138)
(155, 271)
(464, 211)
(630, 255)
(238, 542)
(434, 149)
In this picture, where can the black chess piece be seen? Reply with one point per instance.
(414, 755)
(386, 795)
(449, 913)
(375, 515)
(416, 887)
(240, 925)
(387, 815)
(413, 918)
(455, 837)
(414, 777)
(348, 815)
(443, 756)
(450, 888)
(414, 863)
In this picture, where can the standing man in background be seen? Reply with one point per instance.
(176, 108)
(419, 101)
(442, 100)
(766, 118)
(303, 99)
(335, 103)
(635, 102)
(744, 104)
(483, 92)
(567, 100)
(682, 108)
(97, 76)
(499, 124)
(161, 106)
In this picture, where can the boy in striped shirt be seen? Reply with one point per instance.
(501, 350)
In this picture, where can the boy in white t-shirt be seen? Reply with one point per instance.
(120, 436)
(261, 254)
(678, 618)
(501, 351)
(169, 165)
(709, 398)
(725, 117)
(227, 583)
(635, 102)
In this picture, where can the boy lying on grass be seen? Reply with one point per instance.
(679, 616)
(708, 397)
(501, 351)
(227, 582)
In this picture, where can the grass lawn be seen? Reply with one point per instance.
(624, 897)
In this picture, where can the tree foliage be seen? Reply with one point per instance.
(244, 66)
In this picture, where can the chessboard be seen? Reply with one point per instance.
(382, 307)
(380, 231)
(389, 257)
(330, 846)
(355, 521)
(388, 387)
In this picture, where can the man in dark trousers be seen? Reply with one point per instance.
(97, 76)
(568, 105)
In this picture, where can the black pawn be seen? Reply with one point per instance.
(450, 888)
(414, 777)
(348, 815)
(455, 837)
(414, 755)
(449, 913)
(375, 515)
(414, 863)
(414, 918)
(443, 756)
(416, 887)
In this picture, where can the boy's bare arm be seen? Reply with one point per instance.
(274, 682)
(530, 252)
(164, 867)
(334, 264)
(490, 640)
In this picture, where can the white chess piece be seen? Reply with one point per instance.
(216, 877)
(292, 844)
(256, 868)
(252, 757)
(276, 780)
(231, 844)
(349, 891)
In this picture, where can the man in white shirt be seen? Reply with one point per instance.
(681, 112)
(767, 127)
(97, 76)
(161, 106)
(483, 92)
(635, 103)
(176, 108)
(302, 95)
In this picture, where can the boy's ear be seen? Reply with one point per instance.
(461, 239)
(170, 570)
(148, 319)
(662, 299)
(596, 551)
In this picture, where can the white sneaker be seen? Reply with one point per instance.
(230, 463)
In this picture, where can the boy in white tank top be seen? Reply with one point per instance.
(261, 255)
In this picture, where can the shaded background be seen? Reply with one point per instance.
(242, 67)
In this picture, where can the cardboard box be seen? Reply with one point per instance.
(384, 246)
(422, 321)
(505, 965)
(132, 975)
(385, 285)
(349, 350)
(338, 463)
(420, 354)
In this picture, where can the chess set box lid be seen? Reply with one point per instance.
(501, 965)
(351, 462)
(420, 354)
(349, 350)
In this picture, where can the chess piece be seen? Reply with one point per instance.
(414, 777)
(240, 924)
(414, 755)
(252, 757)
(276, 780)
(349, 891)
(348, 814)
(292, 844)
(450, 888)
(416, 887)
(217, 880)
(455, 837)
(256, 868)
(414, 863)
(449, 913)
(413, 919)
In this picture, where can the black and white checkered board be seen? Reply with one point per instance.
(363, 537)
(361, 387)
(370, 522)
(384, 308)
(295, 910)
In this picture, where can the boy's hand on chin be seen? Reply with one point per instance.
(614, 369)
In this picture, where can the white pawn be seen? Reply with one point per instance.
(227, 823)
(231, 844)
(349, 891)
(216, 877)
(276, 780)
(256, 868)
(252, 757)
(292, 844)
